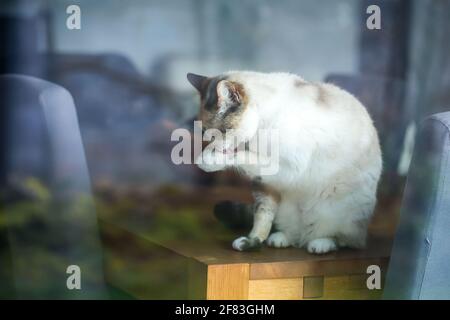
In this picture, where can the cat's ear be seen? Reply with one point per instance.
(229, 93)
(196, 80)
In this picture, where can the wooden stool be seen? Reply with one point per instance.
(212, 270)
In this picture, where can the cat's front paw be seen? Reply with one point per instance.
(246, 244)
(211, 162)
(278, 240)
(320, 246)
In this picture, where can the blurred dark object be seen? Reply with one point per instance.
(419, 264)
(47, 210)
(234, 215)
(125, 119)
(384, 100)
(429, 70)
(385, 52)
(25, 35)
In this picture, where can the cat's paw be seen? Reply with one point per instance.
(320, 246)
(278, 240)
(246, 244)
(211, 161)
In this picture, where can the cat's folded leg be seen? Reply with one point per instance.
(262, 223)
(266, 204)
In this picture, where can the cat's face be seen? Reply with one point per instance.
(224, 105)
(222, 102)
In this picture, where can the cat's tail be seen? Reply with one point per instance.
(234, 215)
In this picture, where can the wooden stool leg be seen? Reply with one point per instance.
(228, 281)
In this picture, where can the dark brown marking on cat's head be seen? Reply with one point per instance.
(322, 96)
(222, 102)
(299, 83)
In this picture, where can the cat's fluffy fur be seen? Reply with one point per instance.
(329, 156)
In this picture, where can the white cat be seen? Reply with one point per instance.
(324, 193)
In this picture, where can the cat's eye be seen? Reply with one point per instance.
(233, 109)
(234, 97)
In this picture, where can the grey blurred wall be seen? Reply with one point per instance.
(169, 38)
